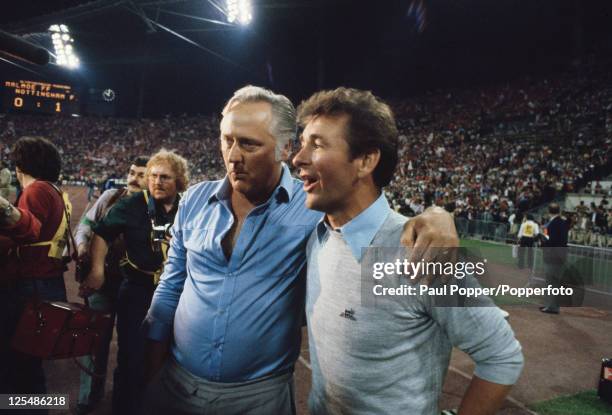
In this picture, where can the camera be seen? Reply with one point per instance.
(161, 234)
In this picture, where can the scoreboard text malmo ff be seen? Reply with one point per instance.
(34, 96)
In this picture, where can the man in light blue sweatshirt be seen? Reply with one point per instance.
(392, 357)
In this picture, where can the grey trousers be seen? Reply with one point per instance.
(176, 391)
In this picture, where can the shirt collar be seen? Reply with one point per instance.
(160, 208)
(359, 232)
(283, 192)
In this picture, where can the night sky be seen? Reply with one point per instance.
(297, 47)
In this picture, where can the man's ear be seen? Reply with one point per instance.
(368, 162)
(284, 156)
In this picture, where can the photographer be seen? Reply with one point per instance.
(143, 219)
(91, 389)
(37, 230)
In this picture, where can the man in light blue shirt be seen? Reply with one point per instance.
(231, 298)
(368, 356)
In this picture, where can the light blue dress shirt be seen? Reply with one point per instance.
(238, 319)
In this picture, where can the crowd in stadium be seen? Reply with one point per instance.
(483, 154)
(101, 148)
(487, 154)
(503, 147)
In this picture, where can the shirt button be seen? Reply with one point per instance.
(221, 312)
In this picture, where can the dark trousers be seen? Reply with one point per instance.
(128, 380)
(554, 272)
(20, 373)
(9, 315)
(525, 253)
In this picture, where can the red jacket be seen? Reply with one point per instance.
(42, 210)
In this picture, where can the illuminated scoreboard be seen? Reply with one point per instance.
(33, 96)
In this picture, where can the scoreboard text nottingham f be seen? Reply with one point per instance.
(34, 96)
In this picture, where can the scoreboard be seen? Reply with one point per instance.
(34, 96)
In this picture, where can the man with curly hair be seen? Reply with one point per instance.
(143, 219)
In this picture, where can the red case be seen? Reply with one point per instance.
(58, 330)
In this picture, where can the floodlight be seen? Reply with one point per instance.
(240, 10)
(63, 44)
(232, 10)
(73, 62)
(245, 18)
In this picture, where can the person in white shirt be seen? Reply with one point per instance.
(527, 236)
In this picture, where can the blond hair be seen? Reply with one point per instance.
(177, 163)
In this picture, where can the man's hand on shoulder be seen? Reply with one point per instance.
(431, 236)
(434, 227)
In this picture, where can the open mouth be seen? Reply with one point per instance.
(310, 182)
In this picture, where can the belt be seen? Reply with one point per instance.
(198, 383)
(128, 266)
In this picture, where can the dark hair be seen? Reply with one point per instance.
(554, 209)
(37, 157)
(140, 161)
(371, 125)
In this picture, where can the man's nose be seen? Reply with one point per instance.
(234, 154)
(301, 158)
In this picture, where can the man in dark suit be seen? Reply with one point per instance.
(555, 255)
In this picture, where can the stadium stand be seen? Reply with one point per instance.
(485, 154)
